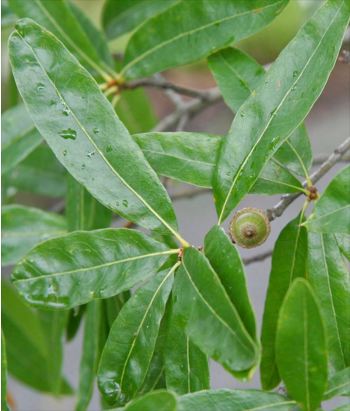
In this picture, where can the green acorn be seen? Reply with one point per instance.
(249, 227)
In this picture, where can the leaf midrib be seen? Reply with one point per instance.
(239, 170)
(187, 33)
(98, 149)
(96, 267)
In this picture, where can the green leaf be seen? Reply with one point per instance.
(19, 137)
(58, 18)
(25, 227)
(279, 105)
(131, 342)
(288, 262)
(238, 75)
(190, 157)
(82, 266)
(28, 350)
(8, 18)
(343, 241)
(301, 351)
(90, 354)
(186, 367)
(339, 384)
(157, 400)
(4, 406)
(161, 43)
(40, 173)
(120, 17)
(53, 324)
(83, 212)
(332, 210)
(95, 36)
(84, 132)
(74, 320)
(227, 263)
(237, 400)
(329, 277)
(202, 299)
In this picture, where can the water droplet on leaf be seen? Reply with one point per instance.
(64, 152)
(68, 134)
(92, 153)
(125, 203)
(40, 87)
(96, 130)
(109, 149)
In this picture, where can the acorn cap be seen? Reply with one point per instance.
(249, 227)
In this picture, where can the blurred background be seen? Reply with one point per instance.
(328, 124)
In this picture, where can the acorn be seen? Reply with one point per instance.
(249, 227)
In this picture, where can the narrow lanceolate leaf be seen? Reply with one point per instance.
(90, 354)
(83, 212)
(330, 280)
(279, 105)
(132, 339)
(191, 157)
(19, 137)
(301, 334)
(157, 400)
(202, 299)
(238, 75)
(237, 400)
(82, 266)
(120, 17)
(339, 384)
(288, 262)
(95, 36)
(226, 261)
(332, 210)
(4, 406)
(40, 173)
(58, 18)
(84, 133)
(186, 367)
(29, 355)
(25, 227)
(343, 241)
(204, 28)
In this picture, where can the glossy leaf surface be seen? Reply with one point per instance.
(226, 261)
(238, 75)
(190, 157)
(30, 358)
(186, 367)
(332, 210)
(301, 334)
(24, 227)
(84, 133)
(19, 137)
(329, 277)
(204, 28)
(120, 17)
(58, 18)
(131, 341)
(237, 400)
(40, 173)
(4, 406)
(288, 263)
(339, 384)
(202, 299)
(82, 266)
(157, 400)
(90, 354)
(279, 105)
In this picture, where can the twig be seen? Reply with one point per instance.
(323, 157)
(161, 83)
(257, 258)
(286, 200)
(175, 98)
(191, 108)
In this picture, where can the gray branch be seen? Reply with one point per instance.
(288, 199)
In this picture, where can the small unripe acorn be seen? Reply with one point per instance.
(249, 227)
